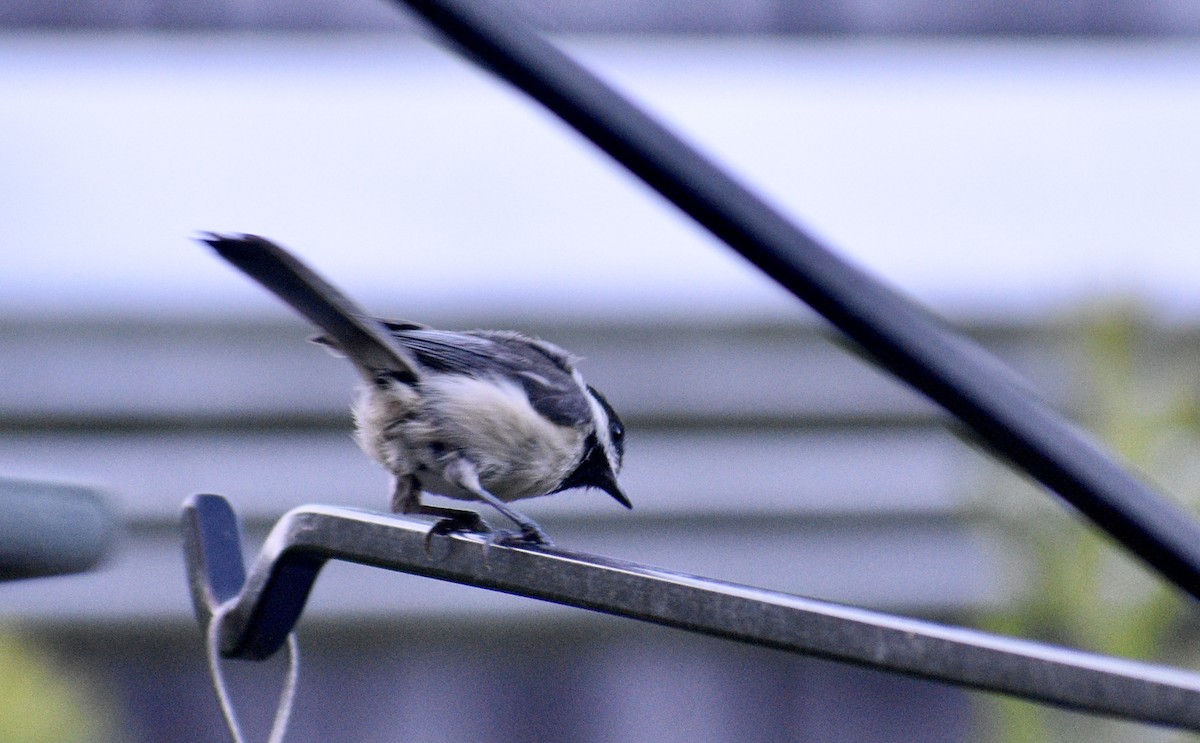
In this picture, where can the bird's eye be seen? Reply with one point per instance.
(617, 429)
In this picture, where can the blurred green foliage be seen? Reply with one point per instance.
(41, 702)
(1137, 383)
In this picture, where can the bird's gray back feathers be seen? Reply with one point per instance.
(545, 372)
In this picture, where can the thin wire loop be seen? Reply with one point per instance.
(287, 695)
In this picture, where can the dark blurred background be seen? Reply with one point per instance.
(1080, 18)
(1028, 169)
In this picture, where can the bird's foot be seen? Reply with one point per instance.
(453, 521)
(508, 538)
(527, 535)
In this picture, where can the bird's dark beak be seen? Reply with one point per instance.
(595, 472)
(608, 483)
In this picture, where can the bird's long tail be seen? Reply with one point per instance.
(364, 340)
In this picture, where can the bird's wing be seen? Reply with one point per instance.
(547, 380)
(364, 340)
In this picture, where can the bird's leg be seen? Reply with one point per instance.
(462, 473)
(406, 498)
(406, 494)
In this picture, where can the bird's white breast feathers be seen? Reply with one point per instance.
(516, 452)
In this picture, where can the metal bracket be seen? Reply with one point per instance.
(268, 603)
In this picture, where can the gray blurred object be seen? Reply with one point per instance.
(52, 529)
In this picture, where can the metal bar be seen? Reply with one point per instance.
(902, 337)
(273, 597)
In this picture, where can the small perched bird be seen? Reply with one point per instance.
(488, 415)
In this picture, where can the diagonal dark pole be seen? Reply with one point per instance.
(903, 338)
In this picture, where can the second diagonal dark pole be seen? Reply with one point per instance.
(902, 337)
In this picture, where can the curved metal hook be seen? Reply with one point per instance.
(271, 599)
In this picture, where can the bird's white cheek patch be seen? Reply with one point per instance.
(603, 435)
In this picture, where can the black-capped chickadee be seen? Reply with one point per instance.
(487, 415)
